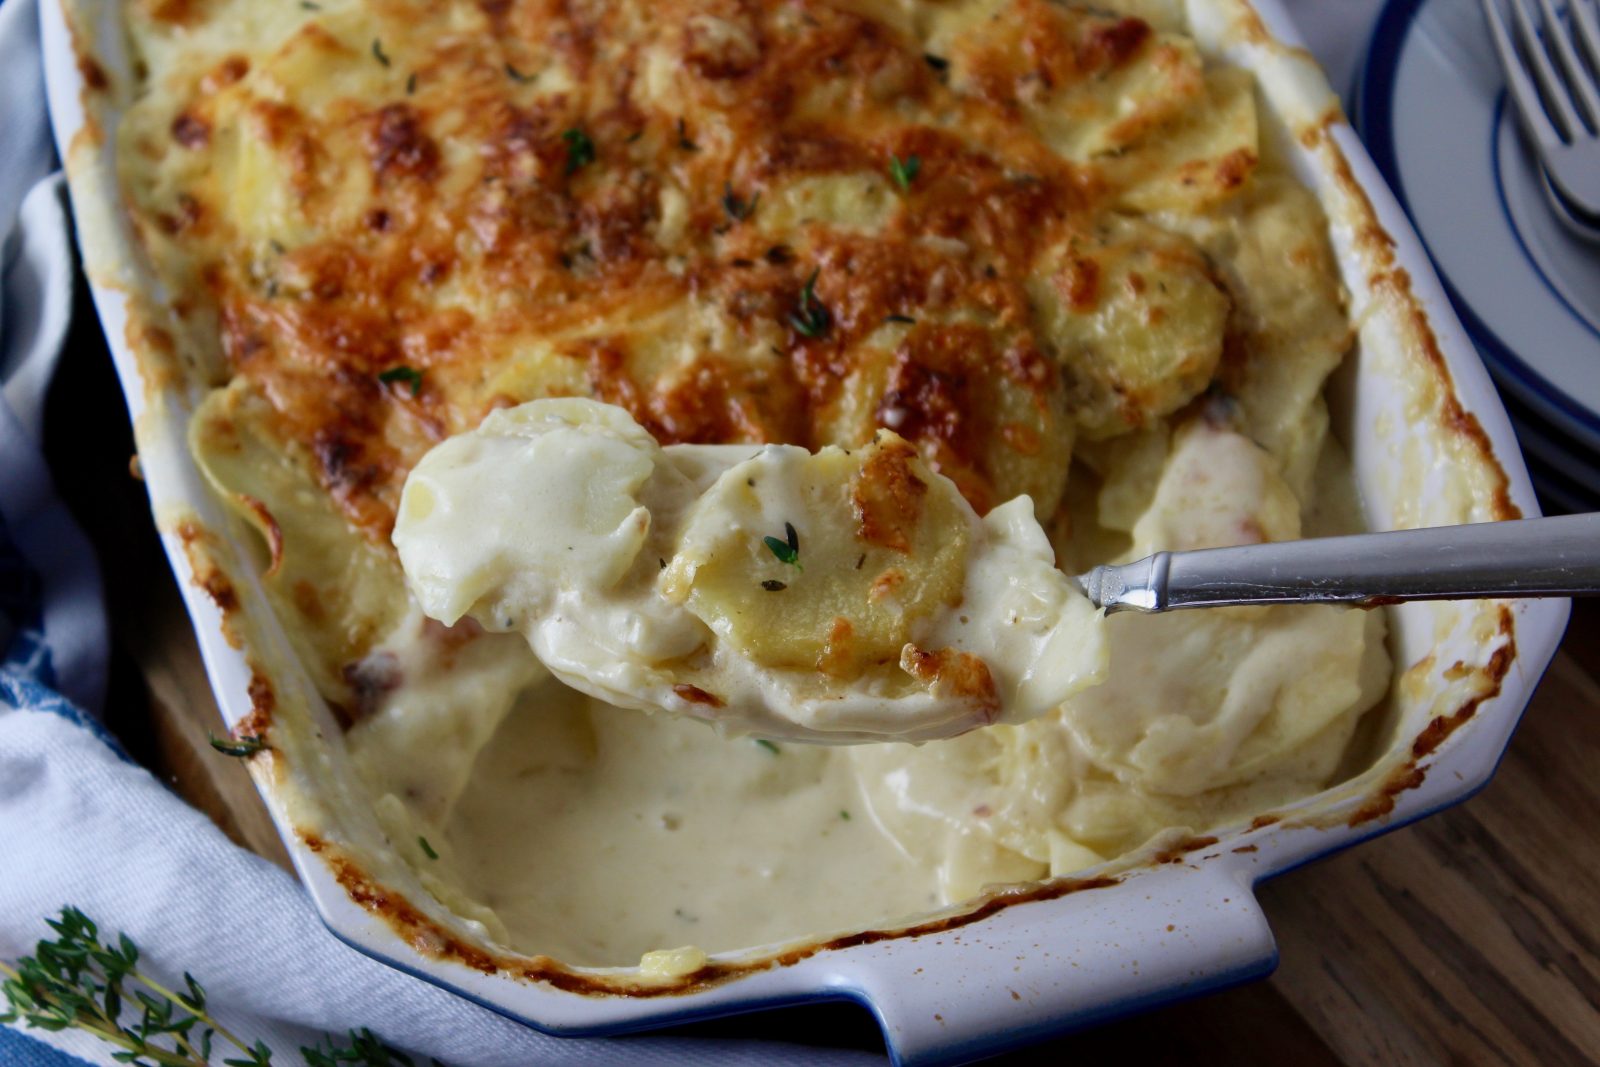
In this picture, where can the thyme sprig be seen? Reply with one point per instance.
(580, 150)
(904, 171)
(77, 981)
(787, 550)
(238, 747)
(810, 319)
(737, 207)
(407, 375)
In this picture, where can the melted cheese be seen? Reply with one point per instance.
(652, 578)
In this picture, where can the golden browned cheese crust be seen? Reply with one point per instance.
(1012, 231)
(627, 200)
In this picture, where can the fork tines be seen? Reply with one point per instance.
(1565, 106)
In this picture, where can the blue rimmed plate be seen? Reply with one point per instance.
(1431, 106)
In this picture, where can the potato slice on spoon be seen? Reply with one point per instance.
(839, 596)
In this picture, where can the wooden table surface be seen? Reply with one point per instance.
(1470, 937)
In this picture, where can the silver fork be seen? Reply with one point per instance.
(1559, 102)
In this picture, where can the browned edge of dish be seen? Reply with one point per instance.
(211, 560)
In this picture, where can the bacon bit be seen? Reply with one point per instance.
(398, 146)
(370, 679)
(338, 458)
(886, 496)
(92, 73)
(190, 131)
(695, 695)
(1106, 46)
(229, 72)
(270, 528)
(962, 674)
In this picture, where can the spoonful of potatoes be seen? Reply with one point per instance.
(847, 595)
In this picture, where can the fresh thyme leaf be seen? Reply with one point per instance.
(517, 75)
(409, 375)
(76, 981)
(810, 319)
(768, 745)
(427, 849)
(772, 585)
(738, 209)
(845, 815)
(378, 53)
(904, 172)
(580, 149)
(904, 319)
(239, 747)
(411, 83)
(938, 63)
(788, 550)
(683, 138)
(309, 6)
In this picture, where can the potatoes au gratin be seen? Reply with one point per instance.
(897, 311)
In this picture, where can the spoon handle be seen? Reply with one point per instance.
(1521, 558)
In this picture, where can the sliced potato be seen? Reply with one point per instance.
(1087, 83)
(1203, 156)
(879, 545)
(339, 591)
(1136, 321)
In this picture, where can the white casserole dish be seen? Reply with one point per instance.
(1431, 446)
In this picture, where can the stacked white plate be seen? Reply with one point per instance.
(1431, 106)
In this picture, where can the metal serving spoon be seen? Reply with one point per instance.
(1522, 558)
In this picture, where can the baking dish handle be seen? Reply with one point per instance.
(1164, 934)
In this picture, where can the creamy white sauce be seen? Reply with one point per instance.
(605, 836)
(598, 834)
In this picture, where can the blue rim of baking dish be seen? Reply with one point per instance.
(1374, 119)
